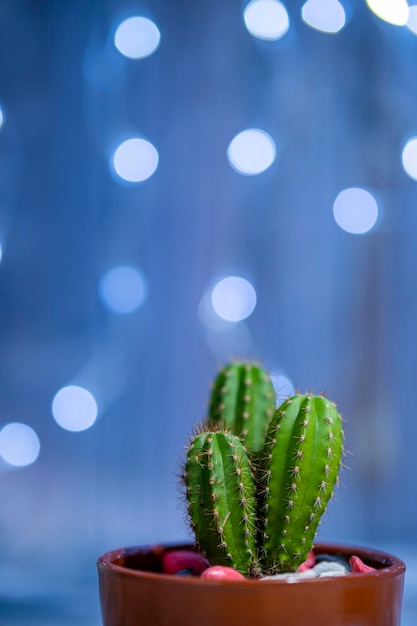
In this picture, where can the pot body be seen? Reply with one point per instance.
(133, 592)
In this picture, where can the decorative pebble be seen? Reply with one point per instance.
(309, 563)
(333, 558)
(328, 568)
(222, 572)
(334, 574)
(292, 577)
(174, 561)
(357, 565)
(184, 572)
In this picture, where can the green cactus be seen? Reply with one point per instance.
(301, 462)
(257, 508)
(221, 500)
(243, 401)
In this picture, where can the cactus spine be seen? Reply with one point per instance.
(243, 401)
(302, 457)
(258, 485)
(221, 500)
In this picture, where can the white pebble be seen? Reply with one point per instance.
(333, 574)
(293, 577)
(328, 568)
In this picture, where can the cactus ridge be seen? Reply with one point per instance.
(221, 500)
(298, 472)
(243, 400)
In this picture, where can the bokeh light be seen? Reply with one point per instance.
(355, 210)
(266, 19)
(123, 289)
(327, 16)
(19, 444)
(412, 19)
(251, 152)
(1, 118)
(1, 252)
(74, 408)
(283, 387)
(209, 318)
(237, 341)
(137, 37)
(393, 11)
(233, 298)
(135, 160)
(409, 157)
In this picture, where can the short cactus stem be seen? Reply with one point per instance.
(243, 401)
(300, 465)
(221, 500)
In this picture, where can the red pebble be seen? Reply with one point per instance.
(222, 572)
(174, 561)
(357, 565)
(309, 563)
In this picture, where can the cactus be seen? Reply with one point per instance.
(258, 509)
(221, 500)
(301, 462)
(243, 401)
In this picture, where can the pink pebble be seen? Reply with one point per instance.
(222, 572)
(309, 563)
(174, 561)
(357, 565)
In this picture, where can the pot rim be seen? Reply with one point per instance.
(391, 566)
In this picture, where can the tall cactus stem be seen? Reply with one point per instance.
(243, 401)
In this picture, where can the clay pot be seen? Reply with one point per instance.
(133, 592)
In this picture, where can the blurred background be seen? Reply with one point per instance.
(182, 183)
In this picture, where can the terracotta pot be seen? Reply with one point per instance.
(133, 592)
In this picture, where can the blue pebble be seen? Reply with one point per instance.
(185, 572)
